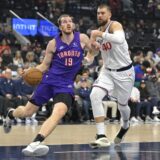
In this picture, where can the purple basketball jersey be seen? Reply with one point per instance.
(66, 62)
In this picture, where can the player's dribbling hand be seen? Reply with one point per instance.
(22, 72)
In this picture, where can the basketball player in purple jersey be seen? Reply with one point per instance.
(62, 61)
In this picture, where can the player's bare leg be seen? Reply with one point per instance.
(59, 110)
(19, 112)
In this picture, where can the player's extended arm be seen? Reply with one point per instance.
(48, 57)
(116, 34)
(86, 44)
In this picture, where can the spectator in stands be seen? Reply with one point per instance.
(30, 60)
(156, 56)
(4, 45)
(138, 58)
(78, 100)
(149, 57)
(9, 91)
(157, 12)
(115, 6)
(37, 51)
(155, 30)
(110, 103)
(85, 76)
(140, 71)
(40, 59)
(128, 33)
(18, 60)
(153, 89)
(77, 81)
(84, 93)
(145, 103)
(127, 6)
(133, 102)
(24, 50)
(7, 58)
(19, 73)
(25, 91)
(157, 67)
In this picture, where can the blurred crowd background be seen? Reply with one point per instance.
(141, 22)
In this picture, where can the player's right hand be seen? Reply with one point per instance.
(22, 73)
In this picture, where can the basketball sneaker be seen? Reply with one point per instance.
(101, 141)
(7, 124)
(156, 119)
(35, 149)
(122, 132)
(155, 110)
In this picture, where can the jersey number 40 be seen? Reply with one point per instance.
(106, 46)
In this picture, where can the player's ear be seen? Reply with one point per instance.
(60, 28)
(109, 14)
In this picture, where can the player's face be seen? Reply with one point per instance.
(103, 16)
(67, 25)
(8, 74)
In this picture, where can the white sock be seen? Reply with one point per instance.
(101, 129)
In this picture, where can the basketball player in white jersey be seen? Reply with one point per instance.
(116, 78)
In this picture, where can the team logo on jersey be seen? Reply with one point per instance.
(61, 47)
(70, 86)
(129, 74)
(75, 44)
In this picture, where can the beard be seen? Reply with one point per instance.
(102, 23)
(68, 32)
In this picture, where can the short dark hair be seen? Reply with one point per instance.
(146, 64)
(60, 18)
(103, 5)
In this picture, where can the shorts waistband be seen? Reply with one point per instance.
(120, 69)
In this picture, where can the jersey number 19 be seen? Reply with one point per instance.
(68, 61)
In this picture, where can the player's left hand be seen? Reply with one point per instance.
(95, 34)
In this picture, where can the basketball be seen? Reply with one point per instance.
(33, 76)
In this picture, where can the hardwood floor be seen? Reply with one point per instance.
(78, 134)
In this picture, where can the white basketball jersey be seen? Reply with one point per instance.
(114, 55)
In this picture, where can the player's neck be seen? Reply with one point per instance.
(103, 28)
(67, 38)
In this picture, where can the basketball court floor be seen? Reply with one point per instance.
(70, 142)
